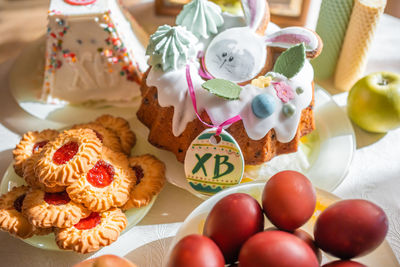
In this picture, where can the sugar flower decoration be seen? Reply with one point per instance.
(283, 91)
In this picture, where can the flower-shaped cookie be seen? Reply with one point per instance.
(93, 232)
(46, 210)
(11, 218)
(121, 127)
(32, 180)
(106, 185)
(64, 159)
(109, 138)
(150, 179)
(30, 143)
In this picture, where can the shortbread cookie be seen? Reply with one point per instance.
(64, 159)
(46, 210)
(150, 179)
(32, 180)
(11, 218)
(121, 127)
(31, 142)
(109, 138)
(106, 185)
(93, 232)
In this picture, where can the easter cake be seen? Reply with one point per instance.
(236, 66)
(94, 52)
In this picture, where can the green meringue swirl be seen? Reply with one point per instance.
(201, 17)
(171, 48)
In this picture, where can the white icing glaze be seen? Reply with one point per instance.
(91, 75)
(173, 91)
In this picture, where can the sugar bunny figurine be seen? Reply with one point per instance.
(239, 54)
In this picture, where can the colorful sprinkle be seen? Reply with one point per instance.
(114, 50)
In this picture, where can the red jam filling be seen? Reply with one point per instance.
(65, 153)
(89, 222)
(101, 175)
(139, 173)
(98, 135)
(39, 145)
(18, 202)
(60, 198)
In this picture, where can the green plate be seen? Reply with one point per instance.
(11, 179)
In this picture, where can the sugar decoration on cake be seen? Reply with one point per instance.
(238, 54)
(201, 17)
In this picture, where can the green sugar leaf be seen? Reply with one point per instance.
(290, 62)
(223, 88)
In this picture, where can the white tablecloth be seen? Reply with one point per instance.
(374, 173)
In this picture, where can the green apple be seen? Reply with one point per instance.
(374, 102)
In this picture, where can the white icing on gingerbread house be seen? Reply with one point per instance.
(92, 52)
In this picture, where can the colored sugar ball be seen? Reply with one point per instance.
(288, 110)
(263, 105)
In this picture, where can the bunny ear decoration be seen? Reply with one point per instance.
(290, 36)
(256, 13)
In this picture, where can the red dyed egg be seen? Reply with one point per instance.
(106, 261)
(233, 220)
(303, 235)
(288, 200)
(276, 249)
(344, 264)
(196, 251)
(350, 228)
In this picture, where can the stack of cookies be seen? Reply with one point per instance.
(78, 184)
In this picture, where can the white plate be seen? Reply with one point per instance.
(26, 78)
(194, 223)
(11, 179)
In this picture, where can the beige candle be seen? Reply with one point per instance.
(334, 17)
(357, 41)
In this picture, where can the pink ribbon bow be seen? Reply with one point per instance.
(193, 97)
